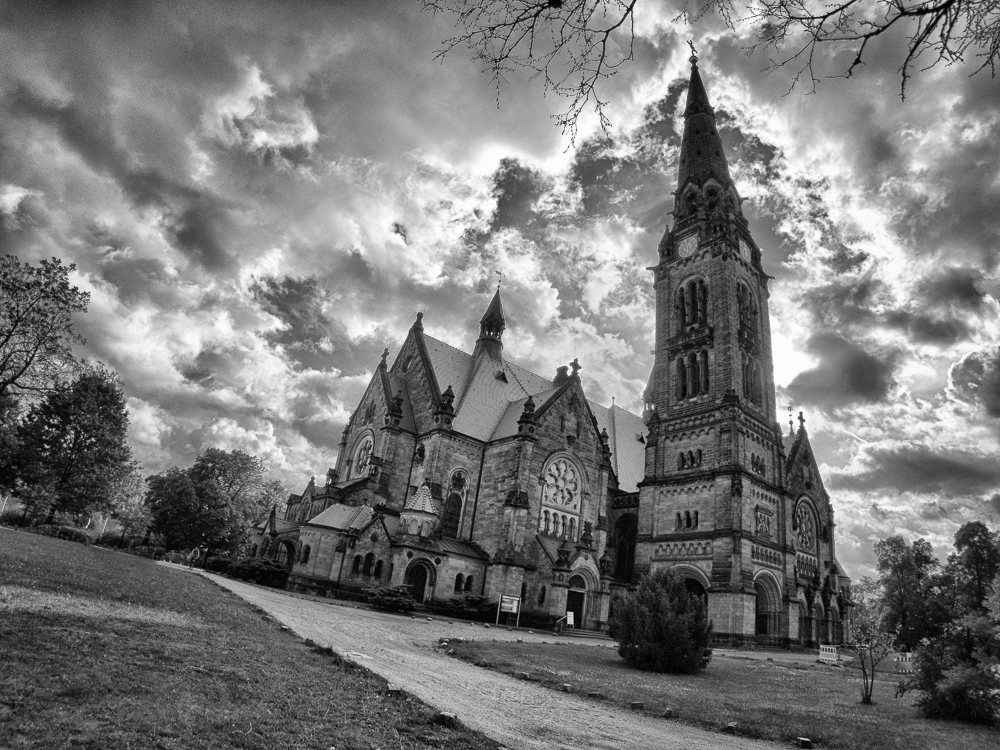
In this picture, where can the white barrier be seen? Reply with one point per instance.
(829, 654)
(904, 662)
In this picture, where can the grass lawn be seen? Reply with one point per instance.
(769, 700)
(105, 650)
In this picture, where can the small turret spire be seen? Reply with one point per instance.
(491, 328)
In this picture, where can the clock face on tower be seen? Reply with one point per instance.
(687, 245)
(744, 249)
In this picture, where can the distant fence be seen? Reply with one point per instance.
(829, 654)
(904, 662)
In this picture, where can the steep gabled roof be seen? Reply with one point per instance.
(627, 441)
(343, 517)
(451, 366)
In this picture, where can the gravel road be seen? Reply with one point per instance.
(519, 715)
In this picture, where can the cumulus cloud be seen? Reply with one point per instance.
(846, 374)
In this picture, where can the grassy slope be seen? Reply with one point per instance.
(770, 700)
(104, 650)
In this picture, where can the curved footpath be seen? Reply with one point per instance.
(515, 713)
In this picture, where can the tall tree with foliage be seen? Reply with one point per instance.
(36, 327)
(75, 444)
(955, 670)
(215, 502)
(906, 575)
(661, 626)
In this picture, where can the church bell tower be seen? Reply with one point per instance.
(714, 453)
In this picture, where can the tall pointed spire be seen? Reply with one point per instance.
(701, 148)
(491, 328)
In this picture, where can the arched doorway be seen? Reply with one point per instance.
(576, 599)
(768, 610)
(284, 553)
(625, 532)
(696, 588)
(419, 580)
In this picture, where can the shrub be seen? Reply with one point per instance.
(392, 599)
(258, 570)
(72, 534)
(220, 565)
(662, 627)
(954, 673)
(468, 607)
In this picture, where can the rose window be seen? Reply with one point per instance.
(562, 484)
(806, 532)
(362, 458)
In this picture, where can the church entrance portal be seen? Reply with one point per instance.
(416, 579)
(576, 598)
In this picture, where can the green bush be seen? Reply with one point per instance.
(661, 627)
(954, 674)
(258, 570)
(73, 534)
(467, 607)
(392, 599)
(220, 565)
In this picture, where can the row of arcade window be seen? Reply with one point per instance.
(557, 524)
(687, 520)
(692, 304)
(692, 375)
(367, 566)
(463, 584)
(747, 311)
(689, 460)
(751, 380)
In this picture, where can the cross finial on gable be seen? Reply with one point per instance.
(694, 52)
(575, 364)
(802, 421)
(502, 276)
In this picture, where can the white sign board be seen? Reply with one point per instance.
(511, 604)
(569, 620)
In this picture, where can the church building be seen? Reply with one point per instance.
(464, 473)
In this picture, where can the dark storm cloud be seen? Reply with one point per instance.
(976, 379)
(846, 374)
(516, 189)
(846, 302)
(309, 335)
(195, 219)
(956, 287)
(922, 469)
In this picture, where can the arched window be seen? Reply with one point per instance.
(378, 571)
(691, 459)
(468, 584)
(459, 582)
(356, 567)
(304, 557)
(691, 298)
(687, 519)
(452, 514)
(524, 590)
(369, 562)
(389, 577)
(547, 521)
(541, 595)
(696, 519)
(253, 551)
(703, 370)
(756, 385)
(682, 308)
(680, 522)
(692, 384)
(572, 529)
(698, 457)
(702, 303)
(680, 460)
(682, 391)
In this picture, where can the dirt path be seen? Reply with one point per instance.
(515, 713)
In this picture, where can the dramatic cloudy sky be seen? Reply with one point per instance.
(259, 197)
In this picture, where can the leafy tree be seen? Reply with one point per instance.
(956, 669)
(978, 554)
(575, 45)
(870, 641)
(906, 577)
(215, 502)
(36, 326)
(75, 444)
(662, 627)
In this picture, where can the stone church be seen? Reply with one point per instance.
(465, 473)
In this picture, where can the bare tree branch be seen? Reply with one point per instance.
(575, 45)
